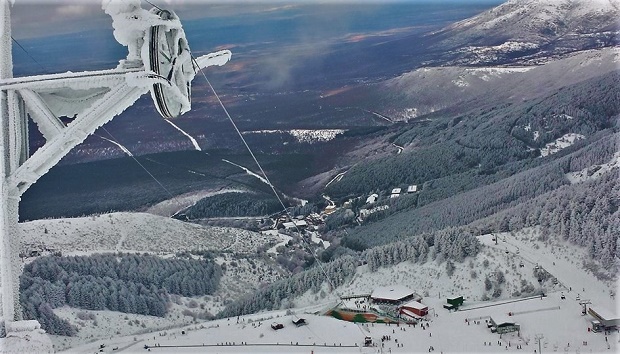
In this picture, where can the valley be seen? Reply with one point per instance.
(472, 153)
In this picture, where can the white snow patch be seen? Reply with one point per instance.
(191, 138)
(594, 172)
(309, 136)
(560, 143)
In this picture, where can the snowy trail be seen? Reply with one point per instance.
(121, 240)
(331, 203)
(400, 148)
(261, 178)
(379, 115)
(191, 138)
(566, 268)
(336, 178)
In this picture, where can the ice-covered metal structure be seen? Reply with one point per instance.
(159, 60)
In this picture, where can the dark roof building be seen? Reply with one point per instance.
(394, 294)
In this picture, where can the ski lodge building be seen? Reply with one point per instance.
(395, 294)
(501, 324)
(603, 319)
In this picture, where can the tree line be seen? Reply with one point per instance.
(234, 204)
(279, 294)
(449, 244)
(127, 283)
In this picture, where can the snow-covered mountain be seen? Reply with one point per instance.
(416, 93)
(532, 30)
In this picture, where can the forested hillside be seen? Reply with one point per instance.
(234, 204)
(482, 141)
(586, 213)
(467, 207)
(451, 244)
(127, 283)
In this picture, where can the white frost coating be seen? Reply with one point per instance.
(191, 138)
(130, 22)
(141, 79)
(35, 341)
(214, 59)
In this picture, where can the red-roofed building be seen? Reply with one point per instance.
(414, 309)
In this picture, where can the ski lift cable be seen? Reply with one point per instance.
(111, 136)
(28, 54)
(319, 263)
(150, 3)
(172, 196)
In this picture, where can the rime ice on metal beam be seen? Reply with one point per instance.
(92, 98)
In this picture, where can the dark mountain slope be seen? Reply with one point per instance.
(464, 208)
(482, 141)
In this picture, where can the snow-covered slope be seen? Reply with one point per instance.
(595, 171)
(132, 232)
(559, 320)
(533, 29)
(433, 88)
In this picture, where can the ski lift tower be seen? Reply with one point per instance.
(159, 61)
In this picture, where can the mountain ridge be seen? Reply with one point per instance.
(530, 30)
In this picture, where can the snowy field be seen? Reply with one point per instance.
(557, 322)
(180, 202)
(140, 232)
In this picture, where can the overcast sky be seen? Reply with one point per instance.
(38, 18)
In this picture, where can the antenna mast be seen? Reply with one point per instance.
(158, 60)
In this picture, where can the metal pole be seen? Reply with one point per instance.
(6, 72)
(539, 338)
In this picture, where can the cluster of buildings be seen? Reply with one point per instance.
(402, 302)
(396, 192)
(302, 222)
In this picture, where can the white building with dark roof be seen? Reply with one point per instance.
(295, 224)
(393, 294)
